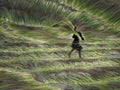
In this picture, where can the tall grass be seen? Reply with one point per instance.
(96, 14)
(29, 11)
(109, 12)
(48, 12)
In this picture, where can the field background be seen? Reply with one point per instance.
(35, 38)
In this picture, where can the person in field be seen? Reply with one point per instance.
(75, 44)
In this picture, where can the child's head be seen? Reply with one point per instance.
(77, 28)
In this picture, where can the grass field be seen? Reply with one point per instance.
(36, 58)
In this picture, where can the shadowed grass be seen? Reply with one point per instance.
(11, 79)
(33, 54)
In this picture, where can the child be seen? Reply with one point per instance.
(75, 43)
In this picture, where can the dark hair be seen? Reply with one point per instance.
(75, 28)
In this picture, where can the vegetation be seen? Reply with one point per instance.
(35, 37)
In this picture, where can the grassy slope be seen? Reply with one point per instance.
(13, 77)
(33, 52)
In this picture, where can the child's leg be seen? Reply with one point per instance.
(69, 54)
(79, 53)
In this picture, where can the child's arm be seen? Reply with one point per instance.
(81, 35)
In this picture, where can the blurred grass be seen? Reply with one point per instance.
(34, 53)
(11, 79)
(48, 63)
